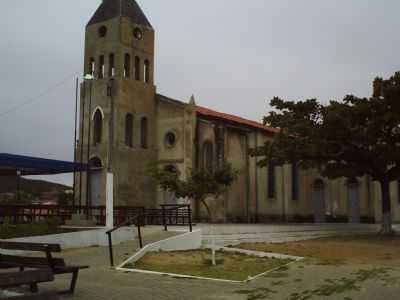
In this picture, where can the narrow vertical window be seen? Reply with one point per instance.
(137, 68)
(127, 66)
(271, 181)
(101, 66)
(146, 71)
(208, 156)
(111, 65)
(129, 130)
(91, 66)
(144, 133)
(295, 182)
(97, 127)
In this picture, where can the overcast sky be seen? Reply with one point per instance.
(233, 55)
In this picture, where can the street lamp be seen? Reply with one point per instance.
(90, 78)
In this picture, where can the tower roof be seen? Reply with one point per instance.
(110, 9)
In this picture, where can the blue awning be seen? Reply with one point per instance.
(10, 164)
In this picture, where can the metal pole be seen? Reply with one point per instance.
(76, 120)
(190, 219)
(81, 142)
(88, 153)
(164, 219)
(110, 248)
(139, 235)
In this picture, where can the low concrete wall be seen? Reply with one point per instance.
(185, 241)
(81, 239)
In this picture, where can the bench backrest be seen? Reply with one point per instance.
(30, 246)
(27, 261)
(8, 280)
(30, 262)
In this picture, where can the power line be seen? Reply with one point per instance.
(37, 97)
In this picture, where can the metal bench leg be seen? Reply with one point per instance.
(34, 287)
(73, 281)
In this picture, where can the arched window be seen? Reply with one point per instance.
(295, 182)
(111, 65)
(101, 66)
(95, 163)
(137, 68)
(91, 66)
(146, 71)
(144, 133)
(127, 66)
(271, 181)
(129, 130)
(208, 156)
(97, 127)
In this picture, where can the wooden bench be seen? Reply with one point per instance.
(42, 296)
(56, 265)
(31, 278)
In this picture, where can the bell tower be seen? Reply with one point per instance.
(118, 105)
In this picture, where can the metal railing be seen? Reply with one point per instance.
(168, 215)
(18, 214)
(134, 220)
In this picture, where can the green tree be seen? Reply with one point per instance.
(350, 138)
(200, 183)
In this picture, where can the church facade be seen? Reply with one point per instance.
(126, 127)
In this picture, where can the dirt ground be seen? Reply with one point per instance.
(365, 249)
(232, 266)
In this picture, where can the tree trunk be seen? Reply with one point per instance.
(207, 208)
(386, 208)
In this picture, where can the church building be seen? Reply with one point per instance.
(126, 127)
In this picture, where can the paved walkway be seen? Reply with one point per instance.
(102, 282)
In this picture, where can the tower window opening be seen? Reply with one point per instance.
(127, 65)
(144, 133)
(98, 127)
(111, 65)
(91, 66)
(102, 31)
(137, 68)
(146, 71)
(101, 66)
(129, 130)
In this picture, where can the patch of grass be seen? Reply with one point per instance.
(330, 262)
(257, 294)
(277, 275)
(49, 226)
(234, 266)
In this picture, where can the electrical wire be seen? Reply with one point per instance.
(37, 97)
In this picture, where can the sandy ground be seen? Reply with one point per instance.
(365, 249)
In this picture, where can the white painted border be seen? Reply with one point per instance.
(185, 241)
(149, 248)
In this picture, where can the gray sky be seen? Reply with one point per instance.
(233, 55)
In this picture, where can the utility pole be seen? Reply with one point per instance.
(76, 120)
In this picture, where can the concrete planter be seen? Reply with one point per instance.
(81, 239)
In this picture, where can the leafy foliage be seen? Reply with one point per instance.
(200, 183)
(349, 138)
